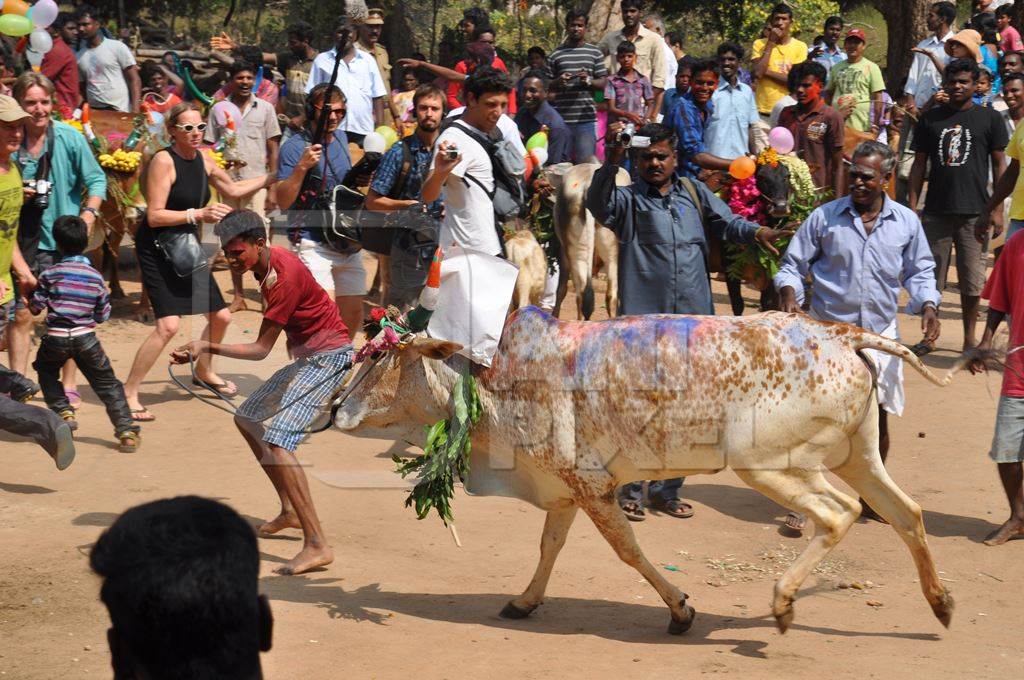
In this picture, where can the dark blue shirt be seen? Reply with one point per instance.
(559, 137)
(330, 171)
(391, 167)
(689, 121)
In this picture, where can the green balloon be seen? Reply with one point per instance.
(389, 135)
(15, 25)
(539, 139)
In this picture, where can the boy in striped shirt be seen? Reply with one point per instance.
(75, 299)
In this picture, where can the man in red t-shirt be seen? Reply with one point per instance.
(60, 66)
(294, 396)
(1005, 294)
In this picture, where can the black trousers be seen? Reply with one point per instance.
(39, 424)
(92, 361)
(12, 382)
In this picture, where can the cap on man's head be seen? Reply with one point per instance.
(10, 110)
(857, 33)
(374, 17)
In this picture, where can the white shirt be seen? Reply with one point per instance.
(506, 126)
(671, 65)
(359, 80)
(924, 79)
(468, 211)
(102, 67)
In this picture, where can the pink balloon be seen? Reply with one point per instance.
(781, 139)
(225, 106)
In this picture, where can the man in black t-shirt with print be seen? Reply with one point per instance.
(962, 142)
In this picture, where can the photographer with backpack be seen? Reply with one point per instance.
(411, 224)
(481, 173)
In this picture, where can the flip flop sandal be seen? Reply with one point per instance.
(633, 511)
(137, 415)
(222, 389)
(675, 508)
(921, 349)
(74, 398)
(128, 442)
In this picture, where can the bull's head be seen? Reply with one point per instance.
(773, 183)
(395, 390)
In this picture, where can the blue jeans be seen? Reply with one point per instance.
(659, 492)
(584, 141)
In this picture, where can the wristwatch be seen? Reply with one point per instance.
(90, 209)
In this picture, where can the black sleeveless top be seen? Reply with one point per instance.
(191, 188)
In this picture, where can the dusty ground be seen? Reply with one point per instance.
(402, 599)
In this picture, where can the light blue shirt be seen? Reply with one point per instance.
(857, 276)
(829, 57)
(727, 133)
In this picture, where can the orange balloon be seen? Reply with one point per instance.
(15, 7)
(742, 167)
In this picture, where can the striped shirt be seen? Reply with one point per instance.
(576, 102)
(73, 295)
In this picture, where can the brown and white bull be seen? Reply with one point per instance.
(572, 410)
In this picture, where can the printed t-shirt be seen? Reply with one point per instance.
(859, 81)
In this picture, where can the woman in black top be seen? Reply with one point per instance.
(177, 189)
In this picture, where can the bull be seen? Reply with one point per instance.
(573, 410)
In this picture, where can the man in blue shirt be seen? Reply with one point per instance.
(396, 187)
(662, 253)
(733, 123)
(827, 51)
(859, 250)
(535, 113)
(690, 119)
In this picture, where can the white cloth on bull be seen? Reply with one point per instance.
(473, 300)
(890, 374)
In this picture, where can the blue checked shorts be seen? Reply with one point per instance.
(321, 375)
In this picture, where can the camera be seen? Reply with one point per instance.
(625, 136)
(451, 153)
(42, 187)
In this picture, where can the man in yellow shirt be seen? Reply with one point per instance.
(771, 59)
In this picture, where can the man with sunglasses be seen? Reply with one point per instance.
(859, 250)
(660, 221)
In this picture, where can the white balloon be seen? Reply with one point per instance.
(374, 142)
(40, 41)
(44, 13)
(34, 58)
(540, 155)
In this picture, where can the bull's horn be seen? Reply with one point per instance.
(418, 318)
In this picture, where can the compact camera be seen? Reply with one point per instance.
(625, 136)
(42, 187)
(451, 153)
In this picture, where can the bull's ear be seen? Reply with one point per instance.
(435, 349)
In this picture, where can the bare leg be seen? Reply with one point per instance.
(287, 519)
(1012, 477)
(351, 309)
(147, 354)
(315, 551)
(216, 327)
(238, 301)
(69, 376)
(556, 528)
(19, 340)
(971, 305)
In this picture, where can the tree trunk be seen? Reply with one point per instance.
(907, 26)
(605, 16)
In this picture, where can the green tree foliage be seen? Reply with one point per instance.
(743, 20)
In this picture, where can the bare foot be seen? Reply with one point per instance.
(238, 305)
(308, 558)
(286, 520)
(1012, 528)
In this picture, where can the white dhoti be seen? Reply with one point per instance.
(889, 371)
(547, 301)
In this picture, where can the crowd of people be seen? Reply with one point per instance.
(928, 178)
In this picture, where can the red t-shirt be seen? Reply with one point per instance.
(1004, 291)
(455, 88)
(297, 302)
(61, 67)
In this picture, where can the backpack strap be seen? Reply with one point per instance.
(403, 175)
(691, 189)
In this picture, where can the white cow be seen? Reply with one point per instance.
(572, 410)
(523, 250)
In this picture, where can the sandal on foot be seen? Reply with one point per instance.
(128, 441)
(74, 398)
(142, 415)
(675, 508)
(922, 348)
(224, 389)
(64, 447)
(633, 511)
(68, 416)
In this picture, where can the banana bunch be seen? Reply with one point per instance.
(218, 158)
(121, 160)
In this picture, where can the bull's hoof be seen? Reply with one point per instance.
(677, 627)
(117, 293)
(944, 608)
(784, 618)
(513, 612)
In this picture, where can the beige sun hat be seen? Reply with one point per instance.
(970, 39)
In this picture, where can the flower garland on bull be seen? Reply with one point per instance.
(753, 262)
(447, 448)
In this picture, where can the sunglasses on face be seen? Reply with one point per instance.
(189, 127)
(339, 112)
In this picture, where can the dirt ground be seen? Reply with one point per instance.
(401, 599)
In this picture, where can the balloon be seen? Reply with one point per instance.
(17, 7)
(742, 167)
(539, 139)
(540, 155)
(529, 169)
(781, 139)
(34, 58)
(389, 135)
(156, 122)
(44, 13)
(15, 24)
(374, 143)
(40, 41)
(224, 108)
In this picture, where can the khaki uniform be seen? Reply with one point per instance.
(380, 54)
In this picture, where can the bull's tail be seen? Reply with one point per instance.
(867, 340)
(587, 301)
